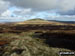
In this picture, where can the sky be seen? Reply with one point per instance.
(20, 10)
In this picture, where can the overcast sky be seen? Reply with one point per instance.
(19, 10)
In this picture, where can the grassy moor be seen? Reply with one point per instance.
(36, 37)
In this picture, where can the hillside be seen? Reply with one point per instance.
(34, 21)
(36, 24)
(25, 44)
(42, 21)
(36, 37)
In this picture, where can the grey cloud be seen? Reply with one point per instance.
(66, 5)
(11, 19)
(22, 12)
(70, 12)
(63, 6)
(3, 6)
(62, 18)
(35, 4)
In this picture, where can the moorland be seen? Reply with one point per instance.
(36, 37)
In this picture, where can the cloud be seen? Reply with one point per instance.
(22, 12)
(11, 19)
(48, 9)
(61, 18)
(7, 13)
(35, 4)
(67, 7)
(3, 6)
(62, 6)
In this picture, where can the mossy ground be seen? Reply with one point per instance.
(24, 44)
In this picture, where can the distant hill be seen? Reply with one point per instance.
(69, 22)
(42, 21)
(36, 19)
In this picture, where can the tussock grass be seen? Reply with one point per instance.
(27, 45)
